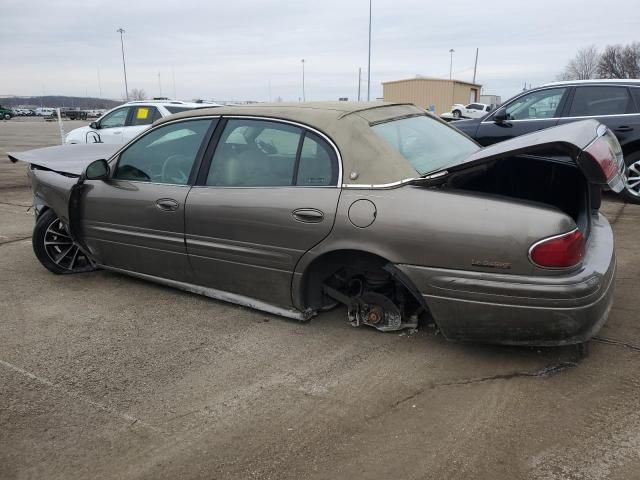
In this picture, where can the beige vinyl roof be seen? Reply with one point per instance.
(347, 124)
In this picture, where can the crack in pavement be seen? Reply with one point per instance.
(617, 343)
(14, 240)
(618, 214)
(545, 372)
(17, 205)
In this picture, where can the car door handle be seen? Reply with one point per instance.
(308, 215)
(623, 128)
(117, 133)
(167, 204)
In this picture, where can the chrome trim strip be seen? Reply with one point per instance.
(176, 238)
(150, 183)
(219, 295)
(553, 237)
(378, 185)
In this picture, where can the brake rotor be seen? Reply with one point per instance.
(378, 311)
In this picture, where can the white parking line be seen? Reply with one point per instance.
(100, 406)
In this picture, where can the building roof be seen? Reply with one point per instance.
(432, 79)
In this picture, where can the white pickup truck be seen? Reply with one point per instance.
(473, 110)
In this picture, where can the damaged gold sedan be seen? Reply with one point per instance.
(294, 209)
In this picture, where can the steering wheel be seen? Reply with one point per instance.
(173, 169)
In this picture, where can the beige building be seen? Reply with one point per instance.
(437, 92)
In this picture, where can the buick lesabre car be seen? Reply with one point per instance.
(295, 209)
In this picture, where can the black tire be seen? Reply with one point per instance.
(631, 193)
(457, 114)
(7, 116)
(54, 248)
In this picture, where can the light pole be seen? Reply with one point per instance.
(304, 98)
(369, 61)
(453, 86)
(124, 65)
(451, 64)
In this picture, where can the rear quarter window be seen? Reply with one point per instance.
(428, 144)
(178, 109)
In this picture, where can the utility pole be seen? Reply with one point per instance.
(173, 74)
(475, 66)
(451, 64)
(124, 65)
(369, 61)
(99, 83)
(359, 81)
(304, 98)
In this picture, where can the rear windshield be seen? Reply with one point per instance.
(178, 109)
(426, 143)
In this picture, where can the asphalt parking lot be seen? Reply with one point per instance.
(104, 376)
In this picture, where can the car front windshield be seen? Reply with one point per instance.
(426, 143)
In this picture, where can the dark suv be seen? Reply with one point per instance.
(616, 103)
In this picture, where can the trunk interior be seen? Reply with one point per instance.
(557, 183)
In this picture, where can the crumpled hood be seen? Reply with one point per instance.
(69, 159)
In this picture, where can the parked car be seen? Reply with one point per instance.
(293, 209)
(473, 110)
(121, 124)
(615, 103)
(45, 111)
(6, 113)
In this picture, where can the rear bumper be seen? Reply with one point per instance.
(523, 310)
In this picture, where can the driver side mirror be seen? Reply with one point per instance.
(94, 125)
(97, 170)
(500, 116)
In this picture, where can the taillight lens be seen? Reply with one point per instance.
(602, 161)
(601, 151)
(560, 251)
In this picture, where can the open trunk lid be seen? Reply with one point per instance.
(588, 144)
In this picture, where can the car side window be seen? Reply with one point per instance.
(317, 165)
(164, 155)
(536, 105)
(144, 115)
(474, 106)
(635, 91)
(259, 153)
(600, 100)
(254, 153)
(117, 118)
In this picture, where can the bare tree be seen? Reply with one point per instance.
(137, 94)
(583, 66)
(619, 61)
(631, 60)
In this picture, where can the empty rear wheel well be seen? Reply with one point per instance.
(350, 263)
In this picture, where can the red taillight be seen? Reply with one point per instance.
(600, 150)
(561, 251)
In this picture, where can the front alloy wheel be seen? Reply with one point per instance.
(55, 248)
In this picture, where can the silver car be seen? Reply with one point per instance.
(295, 209)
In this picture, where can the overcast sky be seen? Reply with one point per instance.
(252, 49)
